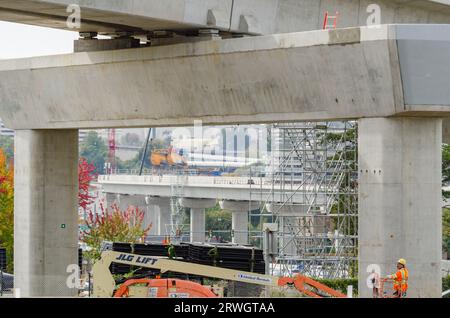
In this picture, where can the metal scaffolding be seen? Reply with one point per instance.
(312, 198)
(177, 211)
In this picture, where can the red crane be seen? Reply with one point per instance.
(112, 148)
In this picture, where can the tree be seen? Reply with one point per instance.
(445, 169)
(218, 221)
(7, 144)
(7, 208)
(85, 176)
(446, 230)
(135, 163)
(113, 225)
(95, 150)
(131, 139)
(446, 195)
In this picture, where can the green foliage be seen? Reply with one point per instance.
(446, 283)
(7, 145)
(7, 208)
(445, 168)
(135, 163)
(341, 284)
(95, 151)
(131, 139)
(446, 230)
(219, 222)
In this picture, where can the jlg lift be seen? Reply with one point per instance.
(104, 284)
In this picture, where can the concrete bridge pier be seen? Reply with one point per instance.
(151, 217)
(197, 207)
(239, 220)
(400, 201)
(125, 201)
(45, 211)
(163, 213)
(110, 200)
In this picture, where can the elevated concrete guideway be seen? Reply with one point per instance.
(236, 16)
(319, 75)
(201, 187)
(393, 79)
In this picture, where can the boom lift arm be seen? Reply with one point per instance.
(104, 283)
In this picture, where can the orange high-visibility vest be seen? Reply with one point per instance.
(401, 280)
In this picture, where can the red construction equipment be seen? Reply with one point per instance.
(112, 148)
(163, 288)
(105, 285)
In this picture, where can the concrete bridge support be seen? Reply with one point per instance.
(125, 201)
(400, 201)
(141, 202)
(163, 213)
(197, 207)
(110, 200)
(150, 218)
(45, 206)
(239, 220)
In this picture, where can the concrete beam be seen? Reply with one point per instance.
(196, 187)
(109, 17)
(45, 217)
(399, 201)
(237, 16)
(277, 78)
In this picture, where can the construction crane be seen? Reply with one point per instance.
(105, 285)
(112, 148)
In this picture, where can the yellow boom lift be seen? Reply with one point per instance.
(105, 285)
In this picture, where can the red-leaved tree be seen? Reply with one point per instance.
(113, 225)
(85, 176)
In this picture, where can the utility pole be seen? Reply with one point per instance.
(144, 155)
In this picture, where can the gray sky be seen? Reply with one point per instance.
(19, 40)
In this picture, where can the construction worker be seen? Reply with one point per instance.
(214, 254)
(171, 251)
(400, 279)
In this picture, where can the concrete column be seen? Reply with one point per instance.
(110, 200)
(239, 218)
(45, 211)
(122, 201)
(141, 202)
(400, 200)
(164, 218)
(151, 217)
(163, 213)
(197, 207)
(198, 231)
